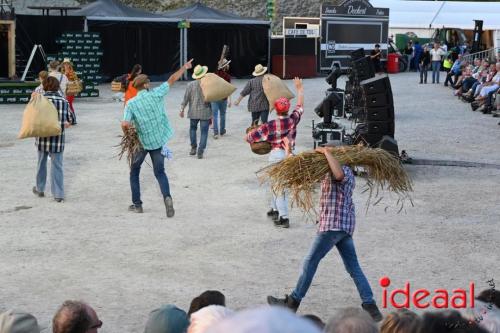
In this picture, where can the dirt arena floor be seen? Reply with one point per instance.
(125, 265)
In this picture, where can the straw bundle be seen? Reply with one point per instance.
(299, 174)
(129, 144)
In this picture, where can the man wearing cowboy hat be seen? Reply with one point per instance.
(258, 104)
(220, 107)
(199, 111)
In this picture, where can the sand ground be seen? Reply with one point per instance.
(125, 265)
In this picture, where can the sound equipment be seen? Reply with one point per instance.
(357, 54)
(377, 85)
(382, 113)
(389, 144)
(363, 68)
(331, 103)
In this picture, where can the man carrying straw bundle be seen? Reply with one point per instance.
(275, 131)
(336, 226)
(147, 112)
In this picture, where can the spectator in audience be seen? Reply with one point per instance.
(264, 320)
(486, 315)
(375, 55)
(436, 53)
(447, 322)
(14, 321)
(425, 60)
(408, 53)
(402, 321)
(469, 78)
(209, 297)
(207, 317)
(351, 320)
(315, 320)
(454, 72)
(167, 319)
(75, 317)
(490, 296)
(417, 51)
(447, 63)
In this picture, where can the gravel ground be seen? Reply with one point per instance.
(91, 248)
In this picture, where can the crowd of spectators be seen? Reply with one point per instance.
(208, 314)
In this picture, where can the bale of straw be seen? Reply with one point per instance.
(129, 144)
(300, 174)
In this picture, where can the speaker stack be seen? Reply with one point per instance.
(374, 98)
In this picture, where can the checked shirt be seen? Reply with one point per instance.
(55, 144)
(336, 208)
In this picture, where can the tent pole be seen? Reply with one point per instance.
(269, 48)
(181, 50)
(284, 48)
(185, 50)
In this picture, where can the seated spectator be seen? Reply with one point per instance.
(14, 321)
(167, 319)
(402, 321)
(315, 320)
(265, 320)
(469, 78)
(207, 317)
(351, 320)
(454, 72)
(447, 322)
(209, 297)
(484, 92)
(75, 317)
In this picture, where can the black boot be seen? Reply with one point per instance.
(373, 311)
(273, 214)
(282, 222)
(287, 302)
(193, 151)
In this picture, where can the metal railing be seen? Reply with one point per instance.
(490, 54)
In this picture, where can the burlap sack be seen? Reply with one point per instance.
(215, 88)
(275, 88)
(40, 119)
(74, 88)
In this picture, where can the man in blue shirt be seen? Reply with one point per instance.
(146, 112)
(456, 71)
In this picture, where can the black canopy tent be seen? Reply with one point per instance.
(211, 29)
(131, 36)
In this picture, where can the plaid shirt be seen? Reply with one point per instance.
(276, 130)
(147, 112)
(55, 144)
(198, 108)
(257, 101)
(336, 208)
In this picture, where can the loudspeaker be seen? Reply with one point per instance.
(389, 144)
(380, 127)
(378, 100)
(372, 132)
(376, 85)
(357, 54)
(363, 68)
(382, 113)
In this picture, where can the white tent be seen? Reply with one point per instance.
(422, 17)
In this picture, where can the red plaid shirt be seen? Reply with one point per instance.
(336, 208)
(276, 130)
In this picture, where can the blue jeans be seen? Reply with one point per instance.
(436, 67)
(204, 133)
(56, 174)
(323, 243)
(159, 170)
(222, 107)
(279, 202)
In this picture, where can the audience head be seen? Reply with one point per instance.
(136, 70)
(167, 319)
(209, 297)
(67, 66)
(54, 65)
(265, 320)
(490, 296)
(351, 320)
(205, 318)
(43, 75)
(402, 321)
(51, 84)
(75, 317)
(14, 321)
(447, 322)
(489, 314)
(477, 62)
(315, 320)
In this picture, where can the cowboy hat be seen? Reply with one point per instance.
(199, 72)
(67, 60)
(223, 63)
(259, 70)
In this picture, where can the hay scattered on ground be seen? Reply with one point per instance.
(129, 144)
(301, 173)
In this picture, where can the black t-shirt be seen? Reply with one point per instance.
(375, 59)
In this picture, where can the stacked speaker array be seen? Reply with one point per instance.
(84, 50)
(373, 102)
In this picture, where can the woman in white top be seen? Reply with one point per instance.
(63, 80)
(436, 53)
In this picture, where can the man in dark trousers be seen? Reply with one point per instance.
(336, 226)
(375, 55)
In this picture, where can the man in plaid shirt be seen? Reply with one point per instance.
(275, 132)
(336, 226)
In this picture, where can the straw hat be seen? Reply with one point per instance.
(259, 70)
(67, 61)
(223, 63)
(199, 72)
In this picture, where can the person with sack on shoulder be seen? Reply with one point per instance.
(258, 104)
(53, 146)
(276, 132)
(219, 107)
(73, 88)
